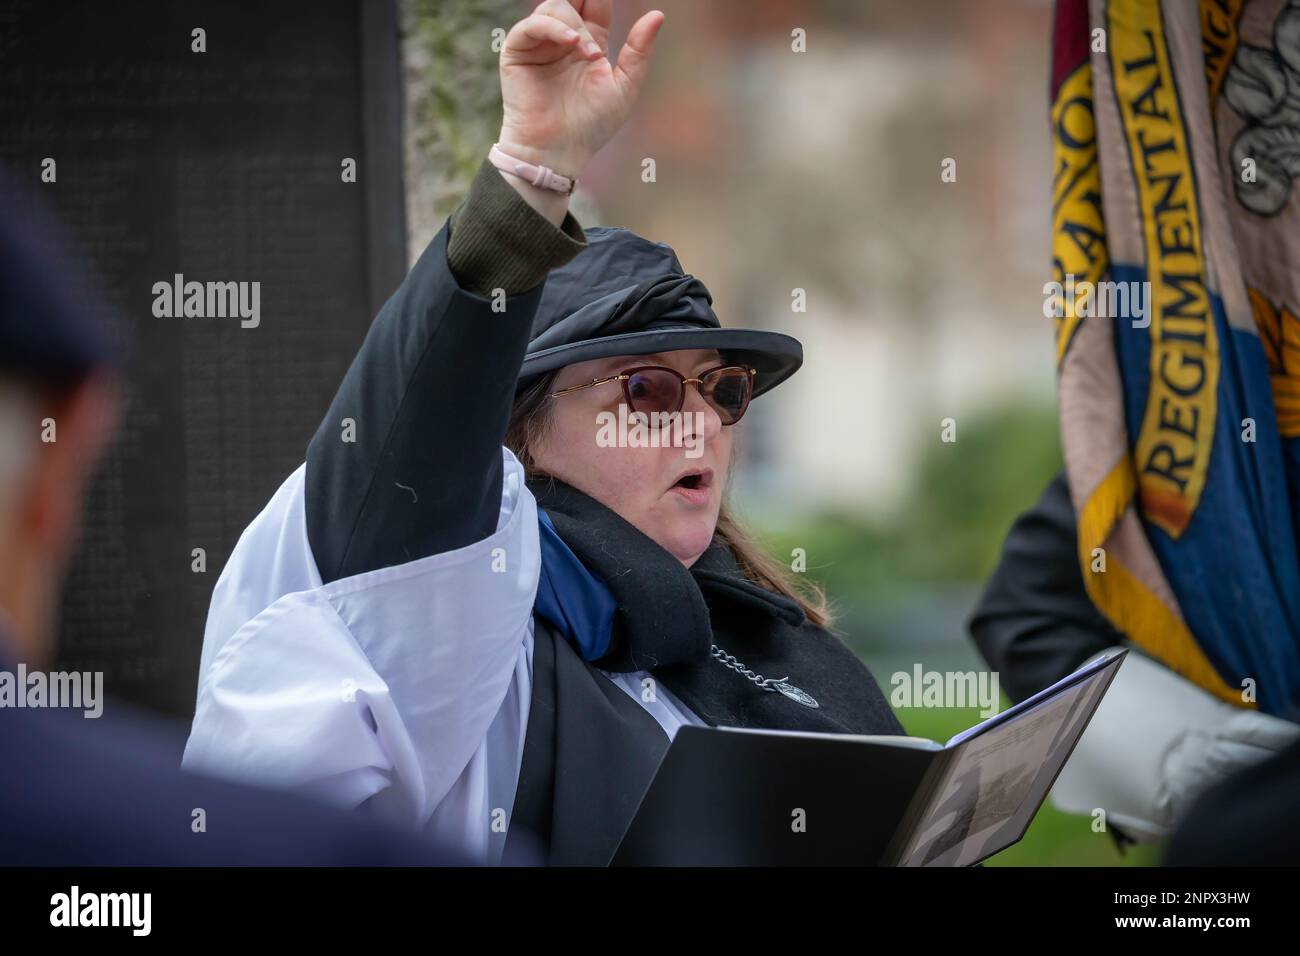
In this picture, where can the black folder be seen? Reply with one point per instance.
(741, 797)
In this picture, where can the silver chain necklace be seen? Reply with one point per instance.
(781, 685)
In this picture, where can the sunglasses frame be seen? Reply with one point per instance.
(625, 376)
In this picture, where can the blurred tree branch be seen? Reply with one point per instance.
(453, 102)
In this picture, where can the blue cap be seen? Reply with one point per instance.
(56, 325)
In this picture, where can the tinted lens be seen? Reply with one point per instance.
(727, 390)
(654, 390)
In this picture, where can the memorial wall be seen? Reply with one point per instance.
(232, 170)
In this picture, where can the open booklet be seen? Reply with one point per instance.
(730, 796)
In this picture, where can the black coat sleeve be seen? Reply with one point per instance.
(429, 397)
(1035, 622)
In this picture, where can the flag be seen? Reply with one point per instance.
(1175, 291)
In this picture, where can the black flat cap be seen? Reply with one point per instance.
(627, 295)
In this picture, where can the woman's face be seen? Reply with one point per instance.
(638, 482)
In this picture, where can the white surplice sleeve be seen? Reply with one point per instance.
(380, 687)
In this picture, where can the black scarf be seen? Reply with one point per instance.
(590, 750)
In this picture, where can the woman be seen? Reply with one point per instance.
(466, 610)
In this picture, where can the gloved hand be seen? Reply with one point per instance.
(1155, 743)
(1203, 756)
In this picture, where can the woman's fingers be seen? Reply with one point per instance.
(536, 31)
(634, 58)
(595, 14)
(563, 11)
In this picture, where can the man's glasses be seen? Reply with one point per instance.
(654, 389)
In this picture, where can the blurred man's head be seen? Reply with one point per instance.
(58, 408)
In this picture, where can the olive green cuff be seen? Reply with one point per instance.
(498, 241)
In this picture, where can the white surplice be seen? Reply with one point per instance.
(405, 688)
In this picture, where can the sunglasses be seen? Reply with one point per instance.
(655, 389)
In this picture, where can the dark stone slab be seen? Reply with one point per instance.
(223, 166)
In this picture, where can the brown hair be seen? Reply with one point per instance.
(528, 421)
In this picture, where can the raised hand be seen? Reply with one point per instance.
(562, 98)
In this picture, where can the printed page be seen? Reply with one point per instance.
(998, 779)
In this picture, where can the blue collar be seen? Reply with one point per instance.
(569, 596)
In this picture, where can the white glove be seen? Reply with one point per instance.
(1201, 758)
(1156, 742)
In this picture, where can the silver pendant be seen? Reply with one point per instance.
(796, 695)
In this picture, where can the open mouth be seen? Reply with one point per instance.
(695, 479)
